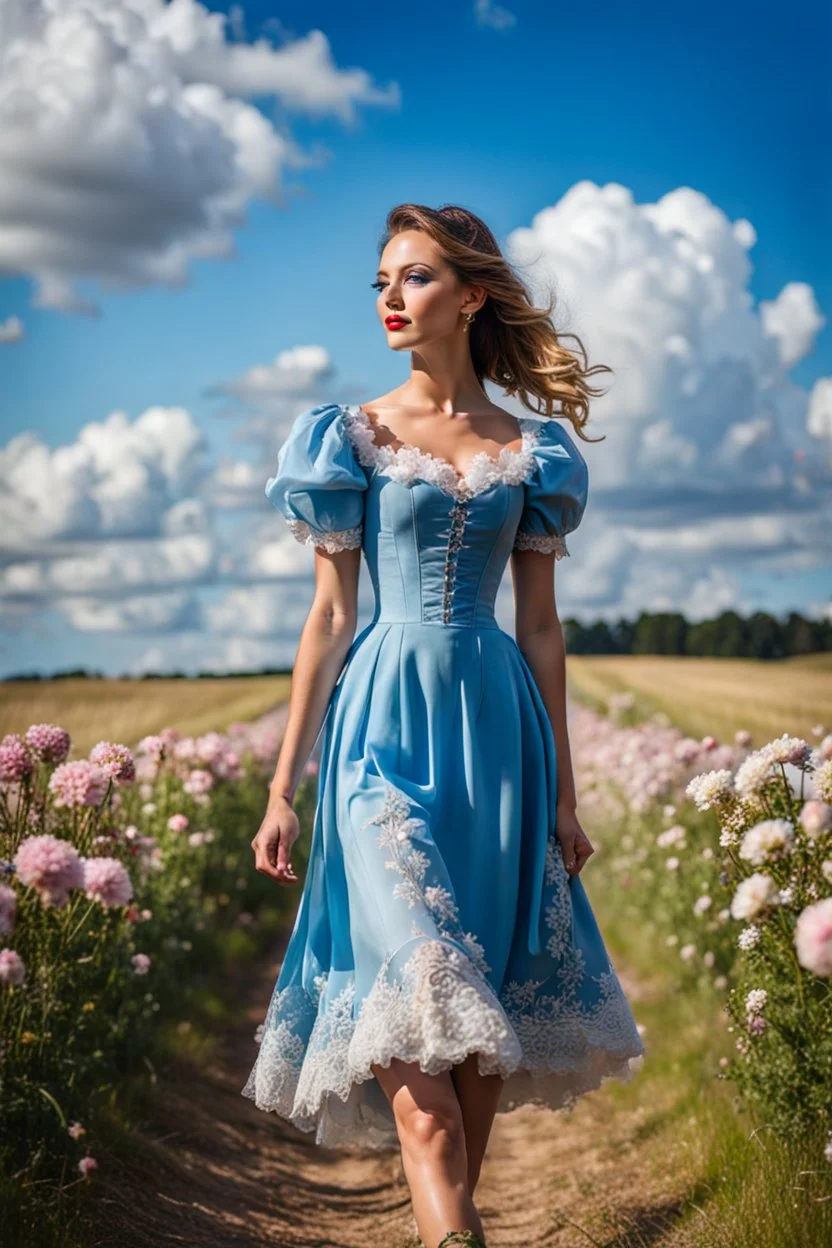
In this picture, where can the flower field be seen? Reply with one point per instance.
(716, 861)
(125, 877)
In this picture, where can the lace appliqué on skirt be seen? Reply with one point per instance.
(550, 1039)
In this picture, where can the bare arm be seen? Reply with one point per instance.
(325, 639)
(539, 637)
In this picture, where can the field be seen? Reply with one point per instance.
(681, 1157)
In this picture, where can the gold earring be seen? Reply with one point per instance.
(469, 320)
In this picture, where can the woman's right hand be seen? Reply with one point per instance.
(273, 843)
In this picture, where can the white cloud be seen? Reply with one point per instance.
(794, 319)
(294, 373)
(127, 146)
(489, 13)
(709, 449)
(820, 411)
(146, 613)
(116, 480)
(11, 330)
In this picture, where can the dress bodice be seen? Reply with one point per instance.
(436, 542)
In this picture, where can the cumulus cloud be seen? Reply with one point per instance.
(11, 330)
(709, 449)
(128, 147)
(117, 479)
(294, 373)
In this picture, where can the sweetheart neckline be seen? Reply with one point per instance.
(511, 465)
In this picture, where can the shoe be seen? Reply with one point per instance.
(469, 1238)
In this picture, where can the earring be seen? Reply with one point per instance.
(469, 320)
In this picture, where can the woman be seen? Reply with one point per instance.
(444, 964)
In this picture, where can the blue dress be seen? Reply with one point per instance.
(437, 917)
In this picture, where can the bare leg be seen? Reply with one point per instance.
(478, 1096)
(432, 1137)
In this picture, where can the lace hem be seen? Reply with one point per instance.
(409, 463)
(335, 540)
(546, 543)
(315, 1056)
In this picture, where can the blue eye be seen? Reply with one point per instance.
(423, 277)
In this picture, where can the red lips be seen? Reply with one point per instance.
(395, 322)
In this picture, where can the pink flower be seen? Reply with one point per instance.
(86, 1165)
(154, 747)
(51, 866)
(178, 823)
(16, 759)
(816, 818)
(49, 742)
(12, 969)
(81, 783)
(76, 1130)
(199, 781)
(757, 1025)
(141, 963)
(8, 909)
(813, 938)
(115, 759)
(106, 880)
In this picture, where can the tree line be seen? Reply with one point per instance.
(728, 635)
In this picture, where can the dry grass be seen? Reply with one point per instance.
(127, 710)
(716, 696)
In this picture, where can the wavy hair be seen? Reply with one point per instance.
(513, 343)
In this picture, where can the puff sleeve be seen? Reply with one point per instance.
(319, 486)
(555, 493)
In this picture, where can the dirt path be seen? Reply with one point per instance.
(210, 1169)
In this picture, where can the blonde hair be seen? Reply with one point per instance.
(513, 343)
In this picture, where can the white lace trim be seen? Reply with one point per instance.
(316, 1053)
(546, 543)
(335, 540)
(409, 463)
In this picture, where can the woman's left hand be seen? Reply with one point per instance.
(574, 842)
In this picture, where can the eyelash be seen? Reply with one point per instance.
(377, 285)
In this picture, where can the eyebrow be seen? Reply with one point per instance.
(424, 263)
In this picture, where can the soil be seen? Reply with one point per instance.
(210, 1169)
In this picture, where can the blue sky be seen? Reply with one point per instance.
(505, 117)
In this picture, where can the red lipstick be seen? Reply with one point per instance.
(394, 321)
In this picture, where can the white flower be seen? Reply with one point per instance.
(707, 853)
(701, 904)
(786, 749)
(826, 868)
(687, 952)
(786, 895)
(753, 774)
(727, 838)
(764, 839)
(749, 937)
(671, 836)
(710, 788)
(672, 863)
(708, 957)
(753, 895)
(755, 1001)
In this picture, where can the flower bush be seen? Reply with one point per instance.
(121, 875)
(722, 855)
(776, 855)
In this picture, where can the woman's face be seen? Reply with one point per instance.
(415, 283)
